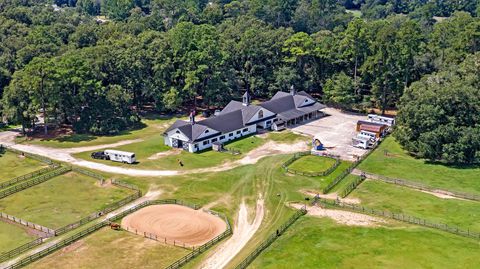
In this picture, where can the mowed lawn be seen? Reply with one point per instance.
(146, 153)
(321, 243)
(61, 200)
(13, 165)
(13, 236)
(312, 164)
(397, 199)
(398, 164)
(112, 249)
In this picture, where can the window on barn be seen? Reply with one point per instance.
(245, 130)
(238, 132)
(205, 142)
(214, 140)
(260, 114)
(222, 137)
(206, 131)
(230, 134)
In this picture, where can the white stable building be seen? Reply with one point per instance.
(239, 119)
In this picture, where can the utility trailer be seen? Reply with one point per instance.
(120, 156)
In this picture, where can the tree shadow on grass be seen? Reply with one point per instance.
(453, 166)
(86, 137)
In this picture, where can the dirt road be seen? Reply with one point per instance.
(242, 233)
(65, 155)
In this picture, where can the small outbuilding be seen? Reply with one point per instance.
(217, 146)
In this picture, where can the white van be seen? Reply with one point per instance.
(120, 156)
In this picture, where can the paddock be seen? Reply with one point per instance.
(175, 223)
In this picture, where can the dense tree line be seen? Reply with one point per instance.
(439, 115)
(97, 72)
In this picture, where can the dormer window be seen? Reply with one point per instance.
(305, 101)
(260, 114)
(207, 131)
(177, 132)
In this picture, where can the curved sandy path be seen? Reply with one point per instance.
(242, 233)
(65, 155)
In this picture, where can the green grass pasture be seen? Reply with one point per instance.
(312, 164)
(112, 249)
(13, 236)
(321, 243)
(397, 199)
(398, 164)
(61, 200)
(13, 165)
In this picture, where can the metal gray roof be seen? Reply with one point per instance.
(192, 132)
(225, 122)
(279, 104)
(247, 111)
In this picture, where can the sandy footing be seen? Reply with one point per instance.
(342, 217)
(175, 223)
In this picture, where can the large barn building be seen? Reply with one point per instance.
(239, 119)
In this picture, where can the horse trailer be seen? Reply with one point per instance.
(120, 156)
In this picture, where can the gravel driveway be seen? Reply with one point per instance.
(335, 131)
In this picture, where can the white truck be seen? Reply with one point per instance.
(120, 156)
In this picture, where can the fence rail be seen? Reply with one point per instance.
(299, 155)
(98, 214)
(271, 239)
(35, 181)
(108, 209)
(29, 224)
(17, 251)
(124, 185)
(197, 251)
(29, 155)
(352, 186)
(349, 169)
(422, 187)
(399, 217)
(88, 173)
(28, 176)
(65, 242)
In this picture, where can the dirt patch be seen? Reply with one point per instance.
(242, 233)
(175, 223)
(342, 217)
(106, 184)
(28, 230)
(272, 148)
(443, 195)
(332, 196)
(159, 155)
(72, 247)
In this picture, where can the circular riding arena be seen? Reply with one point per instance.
(175, 223)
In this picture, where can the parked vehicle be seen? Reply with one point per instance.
(100, 155)
(120, 156)
(363, 141)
